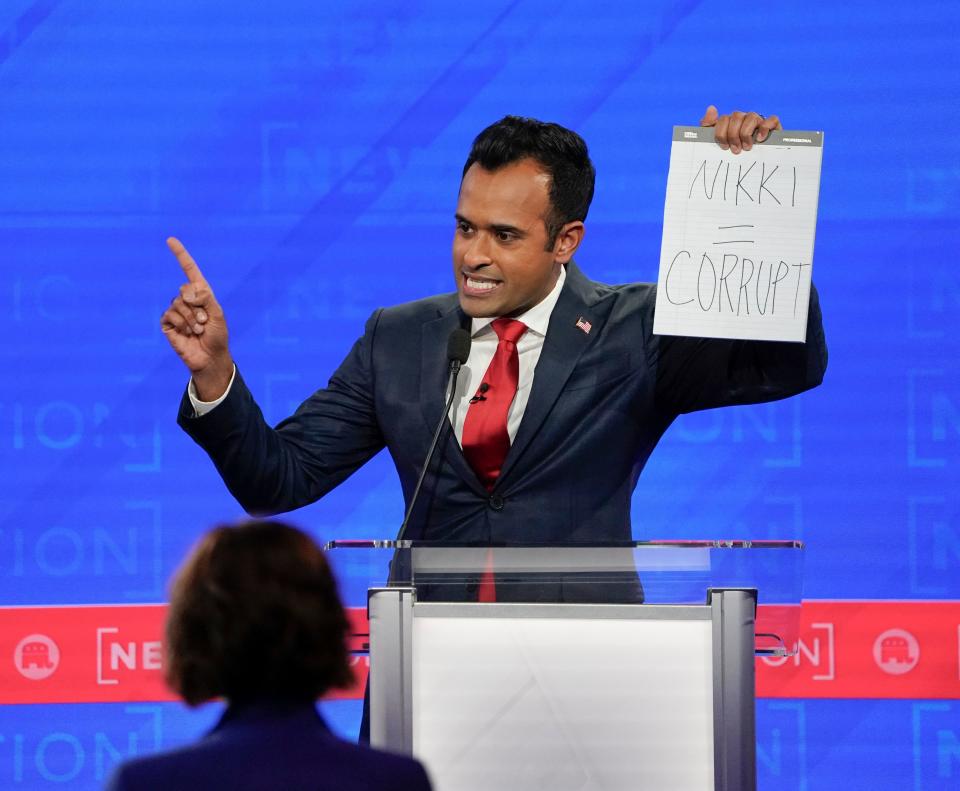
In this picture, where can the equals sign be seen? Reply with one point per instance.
(734, 241)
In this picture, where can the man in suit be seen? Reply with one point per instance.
(583, 392)
(255, 618)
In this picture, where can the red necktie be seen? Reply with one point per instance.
(486, 440)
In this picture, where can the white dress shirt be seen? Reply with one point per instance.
(484, 346)
(482, 349)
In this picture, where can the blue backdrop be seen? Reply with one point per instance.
(309, 157)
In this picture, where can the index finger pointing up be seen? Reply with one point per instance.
(187, 264)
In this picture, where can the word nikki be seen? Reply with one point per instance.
(741, 184)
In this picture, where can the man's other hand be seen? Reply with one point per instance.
(738, 131)
(197, 329)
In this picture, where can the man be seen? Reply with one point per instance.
(564, 395)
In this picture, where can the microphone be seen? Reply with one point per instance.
(480, 393)
(458, 350)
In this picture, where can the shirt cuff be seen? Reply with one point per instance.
(201, 408)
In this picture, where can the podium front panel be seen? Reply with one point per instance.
(563, 696)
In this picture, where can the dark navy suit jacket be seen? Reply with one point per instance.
(271, 745)
(599, 403)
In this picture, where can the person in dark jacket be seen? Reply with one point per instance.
(255, 618)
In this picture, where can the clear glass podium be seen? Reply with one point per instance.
(625, 666)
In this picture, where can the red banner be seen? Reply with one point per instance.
(847, 649)
(101, 654)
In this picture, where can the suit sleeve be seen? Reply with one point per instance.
(332, 433)
(702, 373)
(117, 781)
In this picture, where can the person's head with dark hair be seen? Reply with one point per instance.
(254, 614)
(524, 195)
(561, 153)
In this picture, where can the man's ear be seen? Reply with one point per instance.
(568, 240)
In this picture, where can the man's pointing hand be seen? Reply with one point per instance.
(196, 328)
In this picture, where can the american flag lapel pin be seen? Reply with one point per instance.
(584, 325)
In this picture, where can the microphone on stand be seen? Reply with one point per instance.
(458, 350)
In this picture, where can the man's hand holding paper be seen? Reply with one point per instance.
(738, 131)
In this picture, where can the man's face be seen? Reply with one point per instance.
(499, 258)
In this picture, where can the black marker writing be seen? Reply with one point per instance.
(713, 183)
(713, 287)
(666, 284)
(740, 178)
(734, 241)
(763, 182)
(749, 182)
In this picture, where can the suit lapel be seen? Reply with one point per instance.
(434, 373)
(562, 347)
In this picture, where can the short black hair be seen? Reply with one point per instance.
(561, 152)
(254, 614)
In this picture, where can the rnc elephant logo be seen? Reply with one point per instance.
(36, 657)
(896, 652)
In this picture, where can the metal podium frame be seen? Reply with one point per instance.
(732, 612)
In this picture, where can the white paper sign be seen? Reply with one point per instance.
(738, 231)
